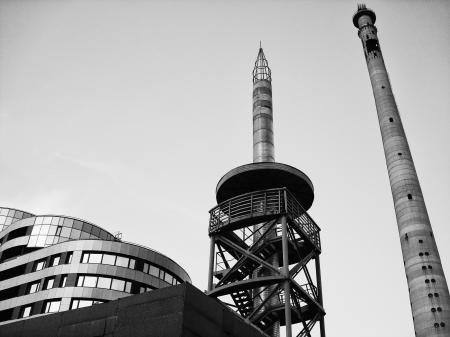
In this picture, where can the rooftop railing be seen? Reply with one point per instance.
(260, 204)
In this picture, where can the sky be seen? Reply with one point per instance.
(127, 113)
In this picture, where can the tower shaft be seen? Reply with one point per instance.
(428, 291)
(264, 151)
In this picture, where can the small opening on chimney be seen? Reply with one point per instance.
(420, 241)
(409, 196)
(391, 119)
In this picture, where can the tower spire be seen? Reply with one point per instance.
(261, 71)
(263, 146)
(428, 291)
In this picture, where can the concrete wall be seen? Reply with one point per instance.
(170, 312)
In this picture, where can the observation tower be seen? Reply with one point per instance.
(263, 242)
(428, 291)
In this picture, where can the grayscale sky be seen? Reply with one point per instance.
(127, 113)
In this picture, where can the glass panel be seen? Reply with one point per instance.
(32, 242)
(2, 219)
(39, 265)
(18, 215)
(8, 221)
(38, 220)
(77, 224)
(128, 287)
(95, 231)
(146, 268)
(4, 211)
(87, 227)
(74, 304)
(68, 222)
(109, 259)
(33, 287)
(36, 229)
(132, 264)
(168, 278)
(47, 220)
(95, 258)
(55, 260)
(85, 258)
(58, 230)
(55, 221)
(63, 281)
(53, 306)
(50, 283)
(49, 240)
(118, 285)
(104, 282)
(65, 232)
(122, 261)
(69, 257)
(154, 271)
(52, 230)
(75, 234)
(84, 303)
(11, 213)
(44, 229)
(26, 311)
(84, 235)
(80, 281)
(90, 281)
(40, 241)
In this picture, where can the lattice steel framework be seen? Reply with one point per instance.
(238, 248)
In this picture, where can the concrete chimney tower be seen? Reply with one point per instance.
(428, 291)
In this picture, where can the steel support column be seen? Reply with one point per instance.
(287, 290)
(319, 294)
(211, 262)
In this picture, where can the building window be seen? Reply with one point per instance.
(49, 283)
(63, 281)
(104, 282)
(58, 230)
(39, 265)
(154, 271)
(82, 303)
(109, 259)
(52, 306)
(26, 311)
(69, 257)
(55, 260)
(33, 287)
(87, 281)
(118, 285)
(122, 261)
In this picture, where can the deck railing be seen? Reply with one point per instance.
(260, 204)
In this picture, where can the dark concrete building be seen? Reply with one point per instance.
(51, 263)
(179, 311)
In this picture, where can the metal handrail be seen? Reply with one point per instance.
(263, 203)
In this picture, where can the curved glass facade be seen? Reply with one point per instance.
(56, 263)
